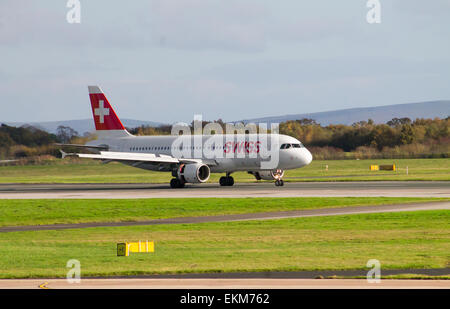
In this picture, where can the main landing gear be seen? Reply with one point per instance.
(177, 183)
(227, 180)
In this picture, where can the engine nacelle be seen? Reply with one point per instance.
(194, 172)
(268, 175)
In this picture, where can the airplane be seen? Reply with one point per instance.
(190, 158)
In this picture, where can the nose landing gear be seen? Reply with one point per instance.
(278, 175)
(279, 182)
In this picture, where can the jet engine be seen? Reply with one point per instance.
(194, 172)
(268, 175)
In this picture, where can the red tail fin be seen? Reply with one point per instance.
(104, 116)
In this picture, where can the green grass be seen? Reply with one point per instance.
(358, 170)
(53, 211)
(398, 240)
(89, 171)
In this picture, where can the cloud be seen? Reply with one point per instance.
(187, 24)
(307, 30)
(233, 25)
(165, 60)
(27, 23)
(423, 8)
(198, 25)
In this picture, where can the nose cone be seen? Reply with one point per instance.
(308, 157)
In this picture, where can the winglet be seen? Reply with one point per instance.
(63, 154)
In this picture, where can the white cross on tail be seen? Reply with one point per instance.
(101, 111)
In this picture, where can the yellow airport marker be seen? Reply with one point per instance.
(390, 167)
(124, 249)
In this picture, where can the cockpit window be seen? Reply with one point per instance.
(287, 146)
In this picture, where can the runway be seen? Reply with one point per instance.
(290, 189)
(351, 210)
(222, 284)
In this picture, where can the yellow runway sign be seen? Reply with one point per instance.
(383, 167)
(125, 248)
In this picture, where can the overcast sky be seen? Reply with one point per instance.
(166, 60)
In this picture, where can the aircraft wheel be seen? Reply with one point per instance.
(222, 181)
(279, 183)
(226, 181)
(176, 183)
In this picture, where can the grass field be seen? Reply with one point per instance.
(398, 240)
(338, 170)
(53, 211)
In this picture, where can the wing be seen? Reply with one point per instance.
(129, 156)
(135, 159)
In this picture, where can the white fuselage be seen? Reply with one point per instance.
(223, 153)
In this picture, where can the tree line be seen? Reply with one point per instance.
(29, 141)
(399, 137)
(395, 132)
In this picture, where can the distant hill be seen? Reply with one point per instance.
(379, 114)
(81, 126)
